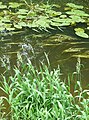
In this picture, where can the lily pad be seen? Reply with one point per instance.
(14, 4)
(77, 19)
(31, 14)
(57, 24)
(5, 19)
(17, 26)
(77, 13)
(23, 24)
(22, 11)
(43, 22)
(67, 20)
(53, 13)
(79, 30)
(56, 5)
(72, 5)
(65, 24)
(21, 16)
(3, 6)
(63, 16)
(81, 33)
(7, 25)
(10, 28)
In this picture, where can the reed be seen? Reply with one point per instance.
(41, 95)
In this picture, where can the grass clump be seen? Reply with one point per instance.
(40, 95)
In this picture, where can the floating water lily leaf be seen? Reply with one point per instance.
(5, 19)
(68, 20)
(21, 16)
(60, 24)
(65, 24)
(17, 26)
(22, 11)
(14, 4)
(63, 16)
(57, 19)
(23, 24)
(55, 5)
(77, 19)
(77, 13)
(46, 6)
(43, 22)
(80, 32)
(3, 6)
(53, 13)
(7, 25)
(72, 5)
(31, 14)
(41, 17)
(10, 29)
(67, 8)
(33, 25)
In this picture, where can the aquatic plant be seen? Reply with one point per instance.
(40, 94)
(39, 17)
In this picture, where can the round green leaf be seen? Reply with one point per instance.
(10, 29)
(14, 4)
(3, 6)
(17, 26)
(21, 16)
(23, 24)
(82, 34)
(72, 5)
(79, 30)
(22, 11)
(63, 16)
(77, 13)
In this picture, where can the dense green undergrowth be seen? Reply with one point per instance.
(41, 95)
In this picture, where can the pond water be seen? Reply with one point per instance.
(62, 48)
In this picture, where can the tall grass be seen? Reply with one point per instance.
(41, 95)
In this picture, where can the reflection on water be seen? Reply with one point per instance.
(60, 49)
